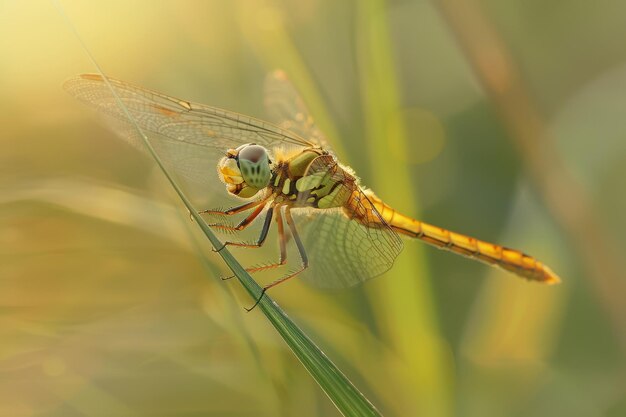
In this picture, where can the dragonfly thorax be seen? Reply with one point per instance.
(245, 170)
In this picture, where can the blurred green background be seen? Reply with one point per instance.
(504, 120)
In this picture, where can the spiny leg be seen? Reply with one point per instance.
(242, 224)
(261, 240)
(282, 242)
(234, 210)
(303, 257)
(259, 204)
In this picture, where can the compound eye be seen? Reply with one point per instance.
(252, 153)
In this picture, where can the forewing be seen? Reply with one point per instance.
(176, 119)
(286, 108)
(344, 251)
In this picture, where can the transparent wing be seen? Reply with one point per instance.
(286, 108)
(177, 119)
(349, 245)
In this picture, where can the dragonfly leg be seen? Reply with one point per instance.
(303, 258)
(282, 242)
(242, 224)
(264, 230)
(234, 210)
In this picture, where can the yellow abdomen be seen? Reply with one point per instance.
(509, 259)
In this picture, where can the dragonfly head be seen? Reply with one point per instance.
(245, 170)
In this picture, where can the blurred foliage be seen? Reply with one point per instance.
(110, 302)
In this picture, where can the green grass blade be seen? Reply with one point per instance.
(346, 397)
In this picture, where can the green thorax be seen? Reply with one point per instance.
(304, 184)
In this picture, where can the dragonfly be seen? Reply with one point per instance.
(278, 172)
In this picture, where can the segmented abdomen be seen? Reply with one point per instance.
(509, 259)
